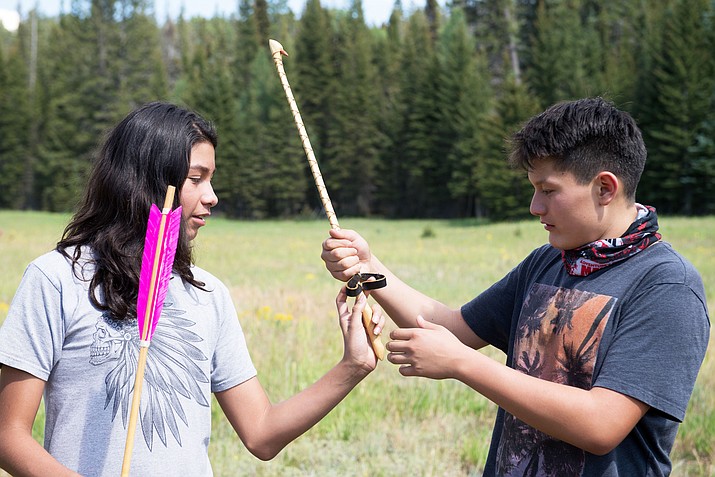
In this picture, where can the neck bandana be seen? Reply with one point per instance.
(596, 255)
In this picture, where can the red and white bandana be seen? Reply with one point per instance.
(596, 255)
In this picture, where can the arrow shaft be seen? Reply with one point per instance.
(305, 140)
(134, 413)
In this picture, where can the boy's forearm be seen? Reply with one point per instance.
(403, 303)
(22, 456)
(594, 420)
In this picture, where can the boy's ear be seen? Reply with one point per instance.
(608, 187)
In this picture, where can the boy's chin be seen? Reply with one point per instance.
(559, 244)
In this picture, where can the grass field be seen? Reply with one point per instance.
(389, 425)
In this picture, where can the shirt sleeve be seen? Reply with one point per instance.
(31, 336)
(658, 346)
(231, 362)
(494, 313)
(488, 314)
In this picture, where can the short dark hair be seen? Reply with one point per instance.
(146, 152)
(583, 137)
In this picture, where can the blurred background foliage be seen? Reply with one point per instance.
(408, 119)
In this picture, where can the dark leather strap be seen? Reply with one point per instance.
(365, 281)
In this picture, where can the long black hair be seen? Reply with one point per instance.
(144, 154)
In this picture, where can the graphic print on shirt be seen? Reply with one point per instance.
(171, 372)
(557, 339)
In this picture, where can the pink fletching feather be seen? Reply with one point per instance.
(155, 274)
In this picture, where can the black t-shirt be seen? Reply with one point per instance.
(639, 327)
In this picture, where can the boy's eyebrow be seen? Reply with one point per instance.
(542, 181)
(536, 180)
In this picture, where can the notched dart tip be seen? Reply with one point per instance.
(276, 47)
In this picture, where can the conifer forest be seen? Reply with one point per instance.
(408, 119)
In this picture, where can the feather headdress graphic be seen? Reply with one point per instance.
(173, 371)
(162, 235)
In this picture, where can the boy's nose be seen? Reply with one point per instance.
(536, 207)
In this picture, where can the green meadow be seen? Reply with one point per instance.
(389, 425)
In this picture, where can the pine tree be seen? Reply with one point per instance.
(683, 109)
(77, 98)
(433, 17)
(526, 12)
(16, 166)
(263, 22)
(138, 69)
(247, 45)
(315, 83)
(702, 154)
(416, 141)
(490, 21)
(270, 178)
(465, 97)
(558, 69)
(211, 90)
(406, 120)
(354, 142)
(171, 53)
(389, 49)
(622, 49)
(101, 61)
(504, 193)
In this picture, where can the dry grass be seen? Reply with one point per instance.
(389, 425)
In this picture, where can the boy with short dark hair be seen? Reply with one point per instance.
(604, 328)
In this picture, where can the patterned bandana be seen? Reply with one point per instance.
(599, 254)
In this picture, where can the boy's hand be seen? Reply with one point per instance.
(345, 254)
(430, 351)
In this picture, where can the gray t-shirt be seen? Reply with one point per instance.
(639, 327)
(89, 362)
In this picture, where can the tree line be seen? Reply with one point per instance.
(407, 119)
